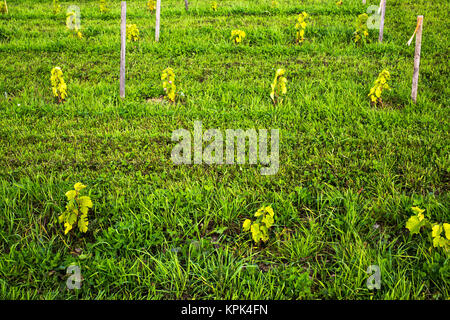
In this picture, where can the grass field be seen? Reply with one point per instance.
(349, 172)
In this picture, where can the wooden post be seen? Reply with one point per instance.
(186, 5)
(415, 80)
(158, 14)
(123, 41)
(383, 12)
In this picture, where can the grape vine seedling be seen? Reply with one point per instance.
(59, 87)
(168, 78)
(103, 6)
(300, 26)
(259, 228)
(362, 32)
(151, 5)
(237, 36)
(75, 30)
(76, 209)
(416, 222)
(132, 32)
(381, 84)
(278, 87)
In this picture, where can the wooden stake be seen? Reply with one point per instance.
(123, 41)
(415, 80)
(158, 15)
(186, 5)
(6, 8)
(383, 12)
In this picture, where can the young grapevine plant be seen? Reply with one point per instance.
(260, 227)
(72, 24)
(381, 83)
(362, 32)
(76, 209)
(151, 5)
(168, 78)
(440, 233)
(300, 26)
(59, 87)
(237, 36)
(132, 32)
(278, 87)
(103, 6)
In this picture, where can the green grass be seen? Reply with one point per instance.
(349, 173)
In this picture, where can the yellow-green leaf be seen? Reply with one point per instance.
(417, 210)
(84, 210)
(68, 227)
(79, 186)
(85, 202)
(447, 230)
(72, 216)
(270, 211)
(83, 223)
(256, 233)
(259, 212)
(436, 231)
(267, 220)
(246, 224)
(414, 224)
(71, 194)
(439, 242)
